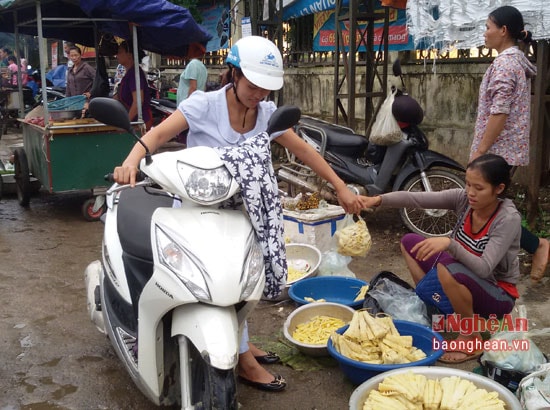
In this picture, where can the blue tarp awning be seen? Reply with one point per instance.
(162, 27)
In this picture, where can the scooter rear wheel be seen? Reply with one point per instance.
(431, 222)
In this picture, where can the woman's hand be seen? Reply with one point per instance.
(370, 201)
(429, 247)
(125, 174)
(349, 201)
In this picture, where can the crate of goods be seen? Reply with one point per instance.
(314, 226)
(172, 94)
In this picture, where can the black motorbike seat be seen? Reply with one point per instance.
(339, 139)
(167, 103)
(135, 209)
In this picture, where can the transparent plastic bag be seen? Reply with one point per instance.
(353, 239)
(401, 303)
(335, 264)
(517, 357)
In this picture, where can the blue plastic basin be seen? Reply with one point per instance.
(422, 335)
(335, 289)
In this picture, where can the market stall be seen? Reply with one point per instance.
(68, 156)
(76, 154)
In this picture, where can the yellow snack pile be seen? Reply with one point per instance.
(317, 330)
(416, 391)
(295, 274)
(375, 340)
(354, 240)
(362, 293)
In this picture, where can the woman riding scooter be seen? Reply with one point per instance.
(227, 117)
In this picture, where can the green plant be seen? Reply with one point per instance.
(541, 225)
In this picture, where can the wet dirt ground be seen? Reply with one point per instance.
(52, 357)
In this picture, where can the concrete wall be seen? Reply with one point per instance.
(447, 92)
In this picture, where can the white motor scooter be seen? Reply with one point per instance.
(175, 284)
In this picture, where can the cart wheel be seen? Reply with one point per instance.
(22, 177)
(88, 210)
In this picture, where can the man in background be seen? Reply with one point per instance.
(195, 74)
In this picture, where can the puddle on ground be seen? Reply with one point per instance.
(52, 363)
(26, 341)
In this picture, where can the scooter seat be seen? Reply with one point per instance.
(339, 139)
(167, 103)
(135, 209)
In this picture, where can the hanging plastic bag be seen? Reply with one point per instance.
(385, 130)
(353, 239)
(335, 264)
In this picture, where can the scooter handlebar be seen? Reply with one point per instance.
(139, 177)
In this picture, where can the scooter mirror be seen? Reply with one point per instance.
(110, 112)
(283, 118)
(396, 68)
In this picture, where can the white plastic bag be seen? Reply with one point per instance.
(385, 130)
(534, 389)
(516, 357)
(334, 264)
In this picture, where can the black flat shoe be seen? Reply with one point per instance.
(277, 384)
(269, 358)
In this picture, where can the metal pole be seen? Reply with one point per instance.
(43, 59)
(136, 71)
(21, 108)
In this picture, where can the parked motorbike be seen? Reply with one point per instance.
(162, 108)
(9, 104)
(175, 285)
(372, 169)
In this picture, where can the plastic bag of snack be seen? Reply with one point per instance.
(353, 239)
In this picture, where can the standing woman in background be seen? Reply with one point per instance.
(504, 107)
(13, 68)
(80, 76)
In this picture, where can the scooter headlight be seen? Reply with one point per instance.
(205, 185)
(253, 268)
(182, 263)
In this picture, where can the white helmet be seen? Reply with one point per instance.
(260, 61)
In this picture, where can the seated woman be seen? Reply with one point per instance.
(478, 265)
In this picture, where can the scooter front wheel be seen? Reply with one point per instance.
(211, 388)
(431, 222)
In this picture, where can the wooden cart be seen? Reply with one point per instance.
(70, 156)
